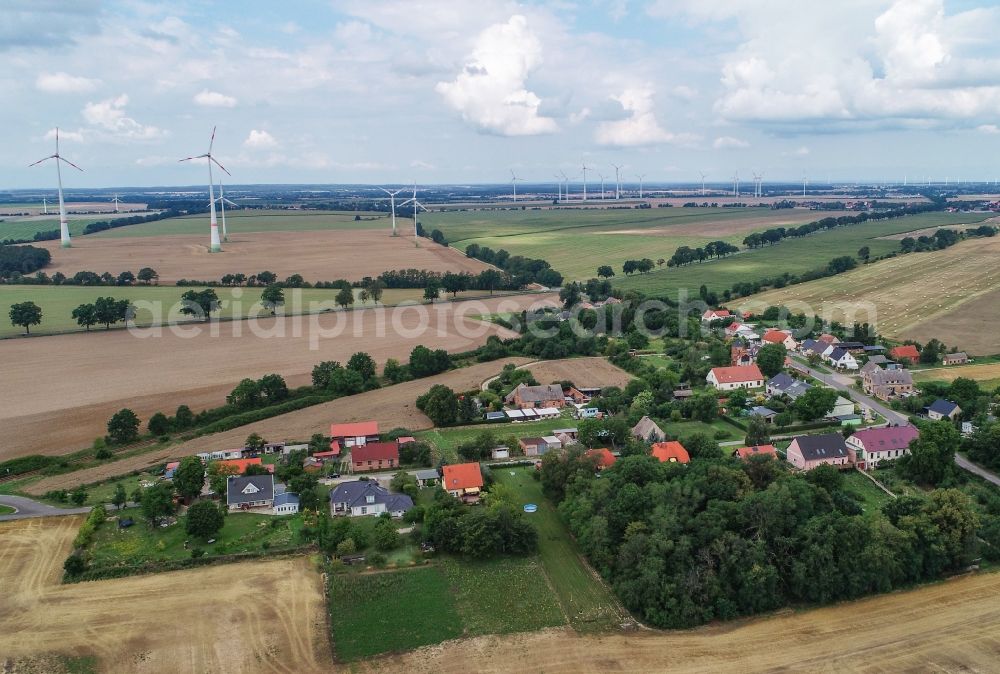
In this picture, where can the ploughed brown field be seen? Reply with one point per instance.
(317, 255)
(594, 372)
(392, 407)
(60, 391)
(258, 616)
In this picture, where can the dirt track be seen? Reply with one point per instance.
(261, 616)
(949, 627)
(82, 379)
(317, 255)
(391, 407)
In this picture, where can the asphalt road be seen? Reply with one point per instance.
(29, 508)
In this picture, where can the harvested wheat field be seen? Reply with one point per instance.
(317, 255)
(392, 406)
(260, 616)
(950, 627)
(83, 378)
(987, 374)
(950, 294)
(594, 372)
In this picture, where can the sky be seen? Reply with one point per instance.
(454, 91)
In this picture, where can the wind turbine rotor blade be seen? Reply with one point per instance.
(212, 141)
(51, 156)
(199, 156)
(213, 159)
(70, 163)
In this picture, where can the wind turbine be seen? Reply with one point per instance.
(618, 182)
(703, 174)
(805, 181)
(216, 244)
(513, 181)
(416, 205)
(392, 202)
(63, 226)
(565, 180)
(736, 184)
(585, 167)
(558, 186)
(45, 205)
(222, 202)
(116, 201)
(640, 176)
(601, 175)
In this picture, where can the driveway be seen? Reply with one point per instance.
(963, 462)
(28, 508)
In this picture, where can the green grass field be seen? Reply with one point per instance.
(575, 242)
(262, 221)
(585, 599)
(16, 228)
(387, 612)
(794, 256)
(685, 429)
(445, 440)
(872, 498)
(140, 543)
(57, 303)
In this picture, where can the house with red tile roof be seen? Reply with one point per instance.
(780, 337)
(605, 459)
(374, 456)
(241, 464)
(871, 445)
(757, 450)
(352, 434)
(462, 480)
(715, 315)
(906, 352)
(737, 376)
(671, 452)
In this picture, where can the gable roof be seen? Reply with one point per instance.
(825, 446)
(241, 464)
(828, 338)
(715, 313)
(762, 411)
(535, 394)
(462, 476)
(737, 373)
(942, 406)
(247, 488)
(647, 428)
(889, 437)
(757, 450)
(375, 451)
(671, 451)
(605, 459)
(878, 359)
(356, 493)
(882, 377)
(812, 345)
(838, 353)
(905, 351)
(775, 336)
(286, 498)
(780, 381)
(354, 430)
(796, 390)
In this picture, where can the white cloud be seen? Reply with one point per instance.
(63, 83)
(109, 116)
(213, 99)
(491, 92)
(728, 142)
(260, 140)
(988, 128)
(75, 136)
(640, 127)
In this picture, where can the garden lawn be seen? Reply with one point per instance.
(391, 611)
(872, 498)
(141, 544)
(503, 595)
(445, 440)
(585, 599)
(685, 429)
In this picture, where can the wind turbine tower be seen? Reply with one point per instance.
(216, 243)
(222, 202)
(601, 176)
(416, 207)
(703, 174)
(45, 206)
(736, 184)
(805, 181)
(585, 167)
(63, 226)
(618, 182)
(392, 205)
(513, 181)
(640, 176)
(116, 201)
(558, 186)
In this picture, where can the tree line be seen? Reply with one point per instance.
(522, 270)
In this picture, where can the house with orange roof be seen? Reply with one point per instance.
(737, 376)
(670, 452)
(605, 459)
(780, 337)
(353, 434)
(757, 450)
(463, 481)
(715, 315)
(241, 464)
(906, 352)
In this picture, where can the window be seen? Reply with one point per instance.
(364, 510)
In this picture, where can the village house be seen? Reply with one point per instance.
(841, 407)
(942, 409)
(907, 352)
(527, 397)
(827, 338)
(647, 431)
(670, 452)
(811, 346)
(887, 384)
(250, 491)
(427, 477)
(780, 337)
(366, 497)
(241, 464)
(463, 481)
(730, 378)
(842, 359)
(715, 315)
(756, 450)
(871, 445)
(810, 451)
(957, 358)
(285, 502)
(353, 434)
(765, 413)
(784, 384)
(534, 446)
(605, 459)
(374, 456)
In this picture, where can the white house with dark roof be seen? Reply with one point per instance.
(842, 359)
(244, 492)
(943, 409)
(366, 497)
